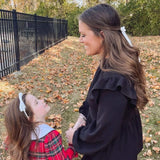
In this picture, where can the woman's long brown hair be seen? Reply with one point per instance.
(19, 129)
(118, 55)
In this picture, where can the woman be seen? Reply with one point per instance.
(113, 128)
(29, 137)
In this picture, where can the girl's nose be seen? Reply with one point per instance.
(42, 100)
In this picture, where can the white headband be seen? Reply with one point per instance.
(123, 30)
(22, 106)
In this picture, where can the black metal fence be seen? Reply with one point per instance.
(23, 36)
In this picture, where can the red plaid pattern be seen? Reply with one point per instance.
(50, 148)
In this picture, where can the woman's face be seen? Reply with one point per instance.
(92, 43)
(38, 106)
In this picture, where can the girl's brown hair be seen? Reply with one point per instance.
(118, 55)
(19, 129)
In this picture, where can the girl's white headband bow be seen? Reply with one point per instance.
(22, 106)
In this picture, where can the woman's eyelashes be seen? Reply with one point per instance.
(82, 35)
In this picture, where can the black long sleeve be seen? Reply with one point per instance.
(98, 134)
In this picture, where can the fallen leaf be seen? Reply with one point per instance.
(71, 125)
(156, 149)
(76, 109)
(158, 122)
(59, 130)
(149, 153)
(157, 133)
(48, 90)
(147, 139)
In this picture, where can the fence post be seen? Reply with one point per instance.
(61, 28)
(35, 19)
(47, 31)
(16, 38)
(66, 28)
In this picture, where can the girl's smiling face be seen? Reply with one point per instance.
(39, 108)
(93, 44)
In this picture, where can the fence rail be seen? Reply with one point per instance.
(22, 36)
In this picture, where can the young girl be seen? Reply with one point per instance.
(28, 135)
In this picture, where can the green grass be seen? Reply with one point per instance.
(62, 76)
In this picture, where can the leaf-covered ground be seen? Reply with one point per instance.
(62, 75)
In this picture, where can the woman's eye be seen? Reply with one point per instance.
(82, 35)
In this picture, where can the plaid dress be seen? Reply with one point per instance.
(49, 146)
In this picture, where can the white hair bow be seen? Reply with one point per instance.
(123, 30)
(22, 106)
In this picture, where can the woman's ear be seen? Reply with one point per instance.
(102, 34)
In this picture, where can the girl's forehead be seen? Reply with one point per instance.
(30, 98)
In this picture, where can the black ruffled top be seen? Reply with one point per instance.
(113, 129)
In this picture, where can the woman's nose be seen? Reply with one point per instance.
(80, 40)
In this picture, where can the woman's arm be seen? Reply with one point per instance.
(106, 126)
(80, 122)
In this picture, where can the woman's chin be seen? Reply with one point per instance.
(88, 53)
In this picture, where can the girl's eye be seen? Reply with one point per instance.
(82, 35)
(45, 100)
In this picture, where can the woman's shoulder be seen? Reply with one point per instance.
(113, 75)
(115, 81)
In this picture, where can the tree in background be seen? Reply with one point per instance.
(71, 14)
(141, 17)
(19, 5)
(3, 4)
